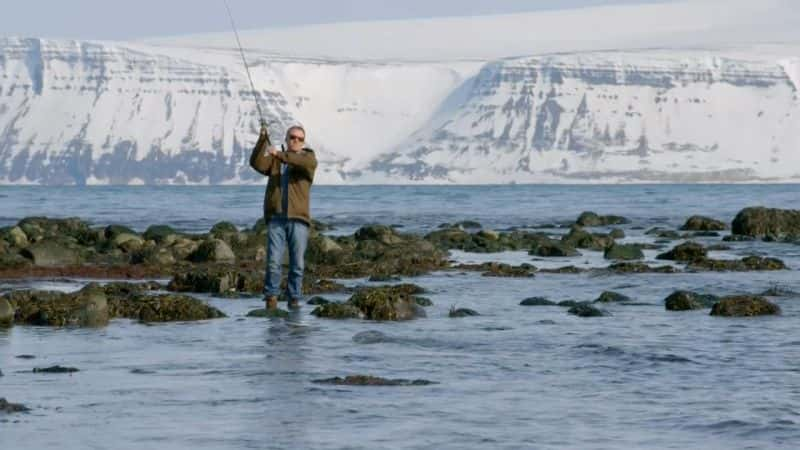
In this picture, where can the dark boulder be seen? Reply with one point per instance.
(775, 224)
(744, 306)
(702, 223)
(686, 252)
(687, 301)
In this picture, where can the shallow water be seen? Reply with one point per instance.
(514, 377)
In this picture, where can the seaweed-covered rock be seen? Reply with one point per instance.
(367, 380)
(222, 228)
(462, 312)
(686, 252)
(624, 252)
(159, 233)
(612, 297)
(591, 219)
(746, 264)
(214, 250)
(586, 310)
(85, 308)
(687, 301)
(553, 248)
(663, 233)
(776, 224)
(55, 369)
(51, 254)
(381, 233)
(162, 308)
(337, 311)
(580, 238)
(6, 313)
(537, 301)
(639, 267)
(7, 407)
(702, 223)
(386, 303)
(318, 301)
(17, 237)
(744, 306)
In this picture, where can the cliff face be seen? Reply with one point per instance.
(653, 116)
(86, 113)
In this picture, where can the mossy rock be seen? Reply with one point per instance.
(703, 223)
(276, 313)
(159, 233)
(686, 252)
(337, 311)
(591, 219)
(687, 301)
(586, 310)
(612, 297)
(386, 303)
(163, 308)
(88, 307)
(537, 301)
(744, 306)
(624, 252)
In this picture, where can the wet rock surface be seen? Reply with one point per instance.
(744, 306)
(7, 407)
(368, 380)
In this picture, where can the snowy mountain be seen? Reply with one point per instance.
(688, 91)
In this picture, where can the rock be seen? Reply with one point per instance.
(624, 252)
(687, 301)
(469, 224)
(462, 312)
(380, 233)
(160, 233)
(586, 310)
(568, 303)
(489, 234)
(367, 380)
(590, 219)
(386, 303)
(564, 269)
(746, 264)
(370, 337)
(777, 224)
(6, 313)
(269, 313)
(328, 245)
(702, 223)
(17, 237)
(337, 311)
(112, 231)
(537, 301)
(127, 242)
(744, 306)
(580, 238)
(25, 356)
(51, 254)
(493, 269)
(553, 249)
(317, 301)
(214, 250)
(612, 297)
(686, 252)
(55, 369)
(87, 307)
(663, 233)
(638, 267)
(183, 247)
(8, 408)
(617, 233)
(223, 228)
(162, 308)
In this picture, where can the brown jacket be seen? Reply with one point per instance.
(301, 175)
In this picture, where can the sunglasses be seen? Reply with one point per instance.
(297, 138)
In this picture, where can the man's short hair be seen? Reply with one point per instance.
(295, 127)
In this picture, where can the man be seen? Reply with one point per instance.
(286, 209)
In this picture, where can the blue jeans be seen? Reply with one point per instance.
(281, 232)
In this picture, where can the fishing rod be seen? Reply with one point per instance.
(246, 66)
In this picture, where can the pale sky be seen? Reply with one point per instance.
(127, 19)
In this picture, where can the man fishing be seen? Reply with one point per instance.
(286, 209)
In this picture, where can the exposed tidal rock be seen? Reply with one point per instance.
(744, 306)
(687, 301)
(702, 223)
(769, 223)
(368, 380)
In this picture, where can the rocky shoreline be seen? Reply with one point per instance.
(228, 262)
